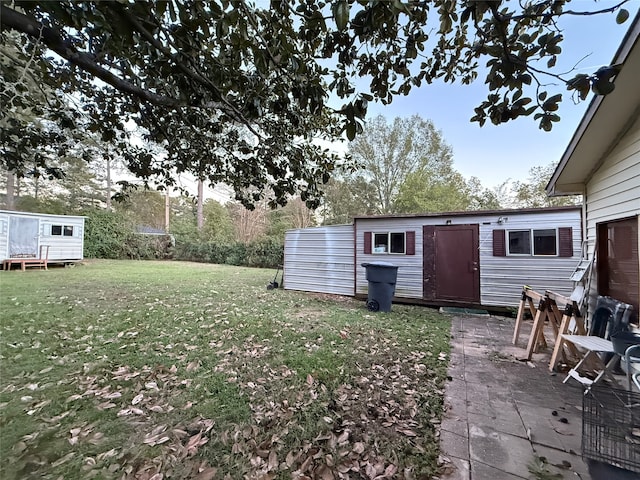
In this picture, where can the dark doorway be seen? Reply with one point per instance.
(617, 262)
(451, 263)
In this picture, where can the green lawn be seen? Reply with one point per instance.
(151, 370)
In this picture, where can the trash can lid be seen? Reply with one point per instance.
(379, 264)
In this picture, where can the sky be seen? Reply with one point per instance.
(495, 154)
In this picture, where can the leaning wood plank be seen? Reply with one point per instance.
(555, 318)
(558, 347)
(538, 323)
(519, 317)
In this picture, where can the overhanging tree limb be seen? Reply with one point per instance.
(53, 40)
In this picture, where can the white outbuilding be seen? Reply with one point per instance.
(26, 235)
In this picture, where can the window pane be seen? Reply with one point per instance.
(544, 242)
(397, 242)
(520, 242)
(380, 242)
(68, 231)
(56, 229)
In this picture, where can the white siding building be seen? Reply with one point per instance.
(602, 162)
(461, 258)
(24, 233)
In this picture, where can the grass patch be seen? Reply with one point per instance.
(124, 369)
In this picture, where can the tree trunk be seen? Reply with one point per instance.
(166, 213)
(11, 191)
(200, 213)
(108, 199)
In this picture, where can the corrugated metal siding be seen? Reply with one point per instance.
(319, 259)
(409, 282)
(501, 278)
(613, 192)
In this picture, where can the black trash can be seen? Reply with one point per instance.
(382, 285)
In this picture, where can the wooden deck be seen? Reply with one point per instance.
(28, 261)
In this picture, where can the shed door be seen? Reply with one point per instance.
(617, 262)
(23, 237)
(451, 269)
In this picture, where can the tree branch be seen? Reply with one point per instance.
(197, 76)
(14, 20)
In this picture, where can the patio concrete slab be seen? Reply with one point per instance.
(505, 415)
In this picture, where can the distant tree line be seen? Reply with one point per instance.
(403, 166)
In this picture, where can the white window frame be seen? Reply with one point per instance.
(374, 249)
(532, 242)
(48, 230)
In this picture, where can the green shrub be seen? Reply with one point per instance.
(110, 235)
(267, 253)
(106, 234)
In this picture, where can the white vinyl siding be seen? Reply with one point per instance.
(4, 236)
(613, 192)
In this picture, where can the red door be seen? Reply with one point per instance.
(451, 264)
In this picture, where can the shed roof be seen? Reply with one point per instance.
(36, 214)
(473, 213)
(606, 120)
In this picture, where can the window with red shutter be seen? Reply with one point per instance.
(367, 242)
(499, 245)
(411, 243)
(565, 239)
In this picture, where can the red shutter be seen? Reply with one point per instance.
(565, 240)
(499, 244)
(367, 242)
(410, 239)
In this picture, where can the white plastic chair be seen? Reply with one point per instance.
(632, 364)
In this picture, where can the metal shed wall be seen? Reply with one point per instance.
(501, 278)
(319, 259)
(61, 248)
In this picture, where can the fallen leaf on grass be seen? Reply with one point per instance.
(206, 474)
(191, 366)
(64, 459)
(137, 399)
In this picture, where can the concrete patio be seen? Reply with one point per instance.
(506, 418)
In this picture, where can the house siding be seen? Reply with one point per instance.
(613, 193)
(319, 259)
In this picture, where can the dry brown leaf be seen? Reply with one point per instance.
(64, 459)
(309, 380)
(358, 447)
(344, 436)
(206, 474)
(19, 447)
(137, 399)
(273, 460)
(194, 365)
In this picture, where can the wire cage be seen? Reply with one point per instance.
(611, 427)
